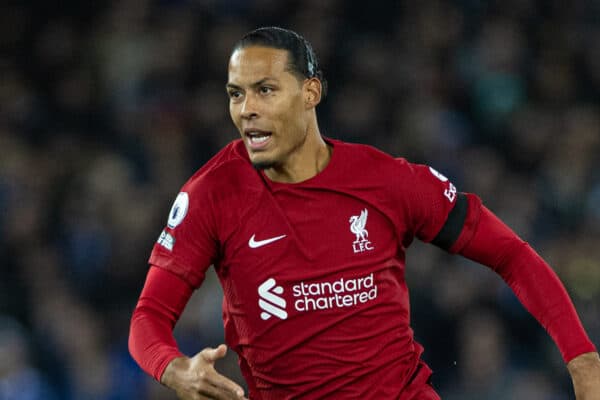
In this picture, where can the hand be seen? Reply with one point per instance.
(196, 378)
(585, 373)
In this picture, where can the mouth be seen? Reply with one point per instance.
(257, 139)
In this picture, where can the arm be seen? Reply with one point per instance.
(585, 373)
(153, 346)
(541, 292)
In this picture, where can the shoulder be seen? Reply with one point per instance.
(371, 160)
(359, 151)
(228, 167)
(221, 184)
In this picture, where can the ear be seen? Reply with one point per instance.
(312, 92)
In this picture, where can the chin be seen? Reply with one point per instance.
(261, 160)
(263, 164)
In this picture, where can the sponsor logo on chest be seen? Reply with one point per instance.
(270, 302)
(315, 296)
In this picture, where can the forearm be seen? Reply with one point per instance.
(151, 341)
(540, 291)
(532, 280)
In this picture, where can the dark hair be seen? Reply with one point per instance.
(302, 58)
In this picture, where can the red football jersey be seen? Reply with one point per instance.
(315, 301)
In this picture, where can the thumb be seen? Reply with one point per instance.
(212, 355)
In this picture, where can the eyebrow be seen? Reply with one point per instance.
(255, 84)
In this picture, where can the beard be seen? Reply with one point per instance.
(262, 165)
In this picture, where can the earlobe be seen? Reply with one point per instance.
(308, 100)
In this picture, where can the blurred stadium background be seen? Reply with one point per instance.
(107, 107)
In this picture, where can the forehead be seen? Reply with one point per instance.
(256, 62)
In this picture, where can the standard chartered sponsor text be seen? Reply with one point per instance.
(339, 293)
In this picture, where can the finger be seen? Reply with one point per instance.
(217, 397)
(211, 355)
(220, 382)
(210, 382)
(225, 384)
(210, 391)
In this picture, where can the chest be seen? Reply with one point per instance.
(304, 233)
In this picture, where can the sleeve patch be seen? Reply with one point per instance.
(179, 210)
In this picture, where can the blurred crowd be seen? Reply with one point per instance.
(107, 107)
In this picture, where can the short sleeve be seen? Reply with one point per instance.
(187, 246)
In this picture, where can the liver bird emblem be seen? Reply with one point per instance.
(357, 225)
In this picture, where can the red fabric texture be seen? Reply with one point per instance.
(165, 295)
(151, 341)
(419, 387)
(229, 203)
(531, 279)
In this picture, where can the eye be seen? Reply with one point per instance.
(234, 94)
(265, 90)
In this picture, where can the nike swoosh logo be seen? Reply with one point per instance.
(259, 243)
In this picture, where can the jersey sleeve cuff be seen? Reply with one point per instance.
(164, 363)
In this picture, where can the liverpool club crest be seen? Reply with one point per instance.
(357, 226)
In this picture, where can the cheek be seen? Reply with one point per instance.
(235, 115)
(294, 114)
(298, 119)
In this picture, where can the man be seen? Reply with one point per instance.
(308, 238)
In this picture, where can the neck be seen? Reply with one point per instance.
(304, 163)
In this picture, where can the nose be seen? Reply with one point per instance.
(249, 107)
